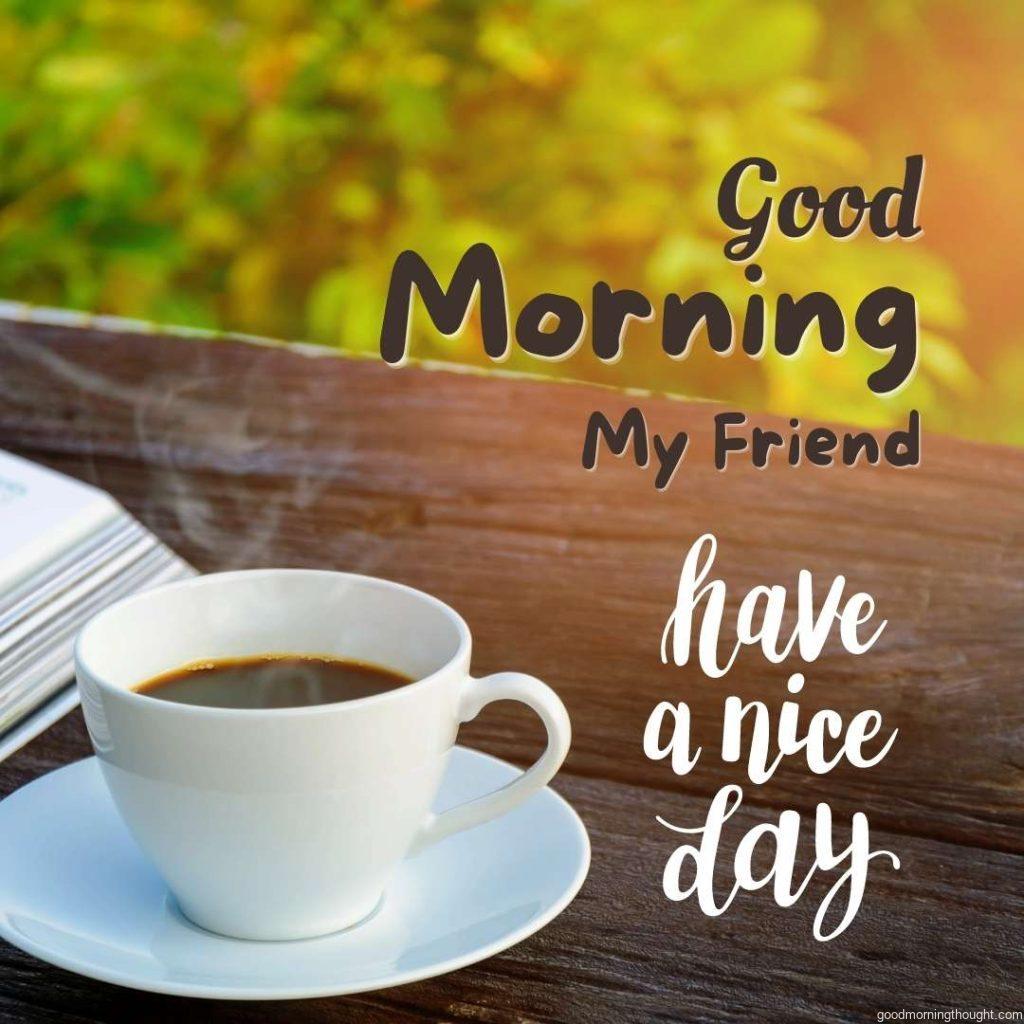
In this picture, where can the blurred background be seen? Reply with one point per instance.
(257, 167)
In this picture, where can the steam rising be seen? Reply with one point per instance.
(226, 479)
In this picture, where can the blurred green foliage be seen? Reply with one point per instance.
(257, 167)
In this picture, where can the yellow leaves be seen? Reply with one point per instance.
(728, 47)
(353, 73)
(941, 359)
(266, 71)
(251, 286)
(361, 74)
(681, 259)
(276, 17)
(342, 309)
(509, 46)
(355, 201)
(162, 19)
(427, 69)
(218, 229)
(131, 285)
(259, 165)
(85, 72)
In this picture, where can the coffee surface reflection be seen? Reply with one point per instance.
(271, 681)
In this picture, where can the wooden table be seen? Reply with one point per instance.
(471, 487)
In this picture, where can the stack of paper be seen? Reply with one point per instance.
(66, 550)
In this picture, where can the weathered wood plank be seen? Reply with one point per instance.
(472, 488)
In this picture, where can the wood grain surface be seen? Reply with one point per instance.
(240, 455)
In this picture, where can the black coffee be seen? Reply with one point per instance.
(271, 681)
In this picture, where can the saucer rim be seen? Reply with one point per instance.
(250, 994)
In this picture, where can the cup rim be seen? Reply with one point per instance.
(206, 579)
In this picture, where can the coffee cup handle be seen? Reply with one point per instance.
(476, 695)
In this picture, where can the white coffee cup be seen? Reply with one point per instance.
(287, 823)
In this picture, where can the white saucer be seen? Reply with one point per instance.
(77, 892)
